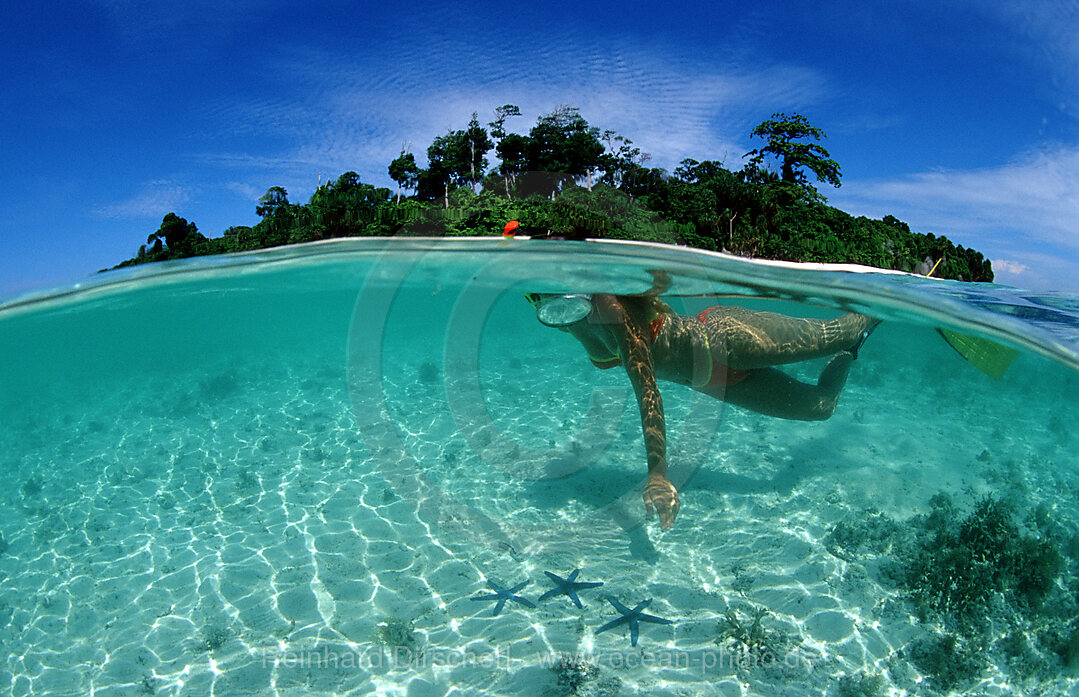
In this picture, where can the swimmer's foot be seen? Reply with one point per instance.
(661, 496)
(853, 350)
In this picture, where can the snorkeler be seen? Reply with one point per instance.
(725, 352)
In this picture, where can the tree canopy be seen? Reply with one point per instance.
(176, 235)
(566, 178)
(785, 135)
(405, 172)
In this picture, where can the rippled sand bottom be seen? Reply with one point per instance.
(248, 530)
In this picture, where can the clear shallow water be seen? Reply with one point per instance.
(256, 475)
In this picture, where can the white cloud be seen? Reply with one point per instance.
(1037, 194)
(1029, 204)
(151, 201)
(1037, 270)
(1009, 267)
(1048, 38)
(246, 190)
(359, 118)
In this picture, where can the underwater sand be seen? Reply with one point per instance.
(262, 482)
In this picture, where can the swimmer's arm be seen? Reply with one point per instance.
(638, 362)
(659, 493)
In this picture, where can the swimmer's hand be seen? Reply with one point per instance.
(661, 496)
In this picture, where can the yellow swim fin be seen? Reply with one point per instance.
(987, 356)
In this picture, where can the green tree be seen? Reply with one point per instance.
(457, 158)
(498, 126)
(343, 208)
(443, 154)
(772, 213)
(405, 172)
(178, 236)
(513, 151)
(498, 133)
(563, 143)
(620, 158)
(346, 182)
(717, 201)
(274, 198)
(785, 135)
(476, 145)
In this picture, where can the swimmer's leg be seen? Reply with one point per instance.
(772, 392)
(754, 339)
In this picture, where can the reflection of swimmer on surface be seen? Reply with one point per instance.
(726, 352)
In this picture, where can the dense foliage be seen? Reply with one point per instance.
(567, 179)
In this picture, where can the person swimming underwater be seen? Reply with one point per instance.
(725, 352)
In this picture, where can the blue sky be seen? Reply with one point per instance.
(960, 118)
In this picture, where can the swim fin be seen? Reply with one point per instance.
(987, 356)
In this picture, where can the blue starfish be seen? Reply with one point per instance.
(568, 586)
(634, 617)
(504, 594)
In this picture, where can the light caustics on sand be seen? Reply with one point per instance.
(292, 470)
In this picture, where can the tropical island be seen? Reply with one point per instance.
(568, 179)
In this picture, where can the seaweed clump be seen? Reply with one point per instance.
(394, 632)
(573, 672)
(861, 685)
(428, 373)
(870, 533)
(978, 572)
(213, 638)
(31, 487)
(990, 582)
(219, 387)
(750, 636)
(947, 659)
(958, 566)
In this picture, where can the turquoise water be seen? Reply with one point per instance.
(290, 472)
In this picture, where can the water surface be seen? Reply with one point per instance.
(289, 472)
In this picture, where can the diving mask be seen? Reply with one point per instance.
(564, 310)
